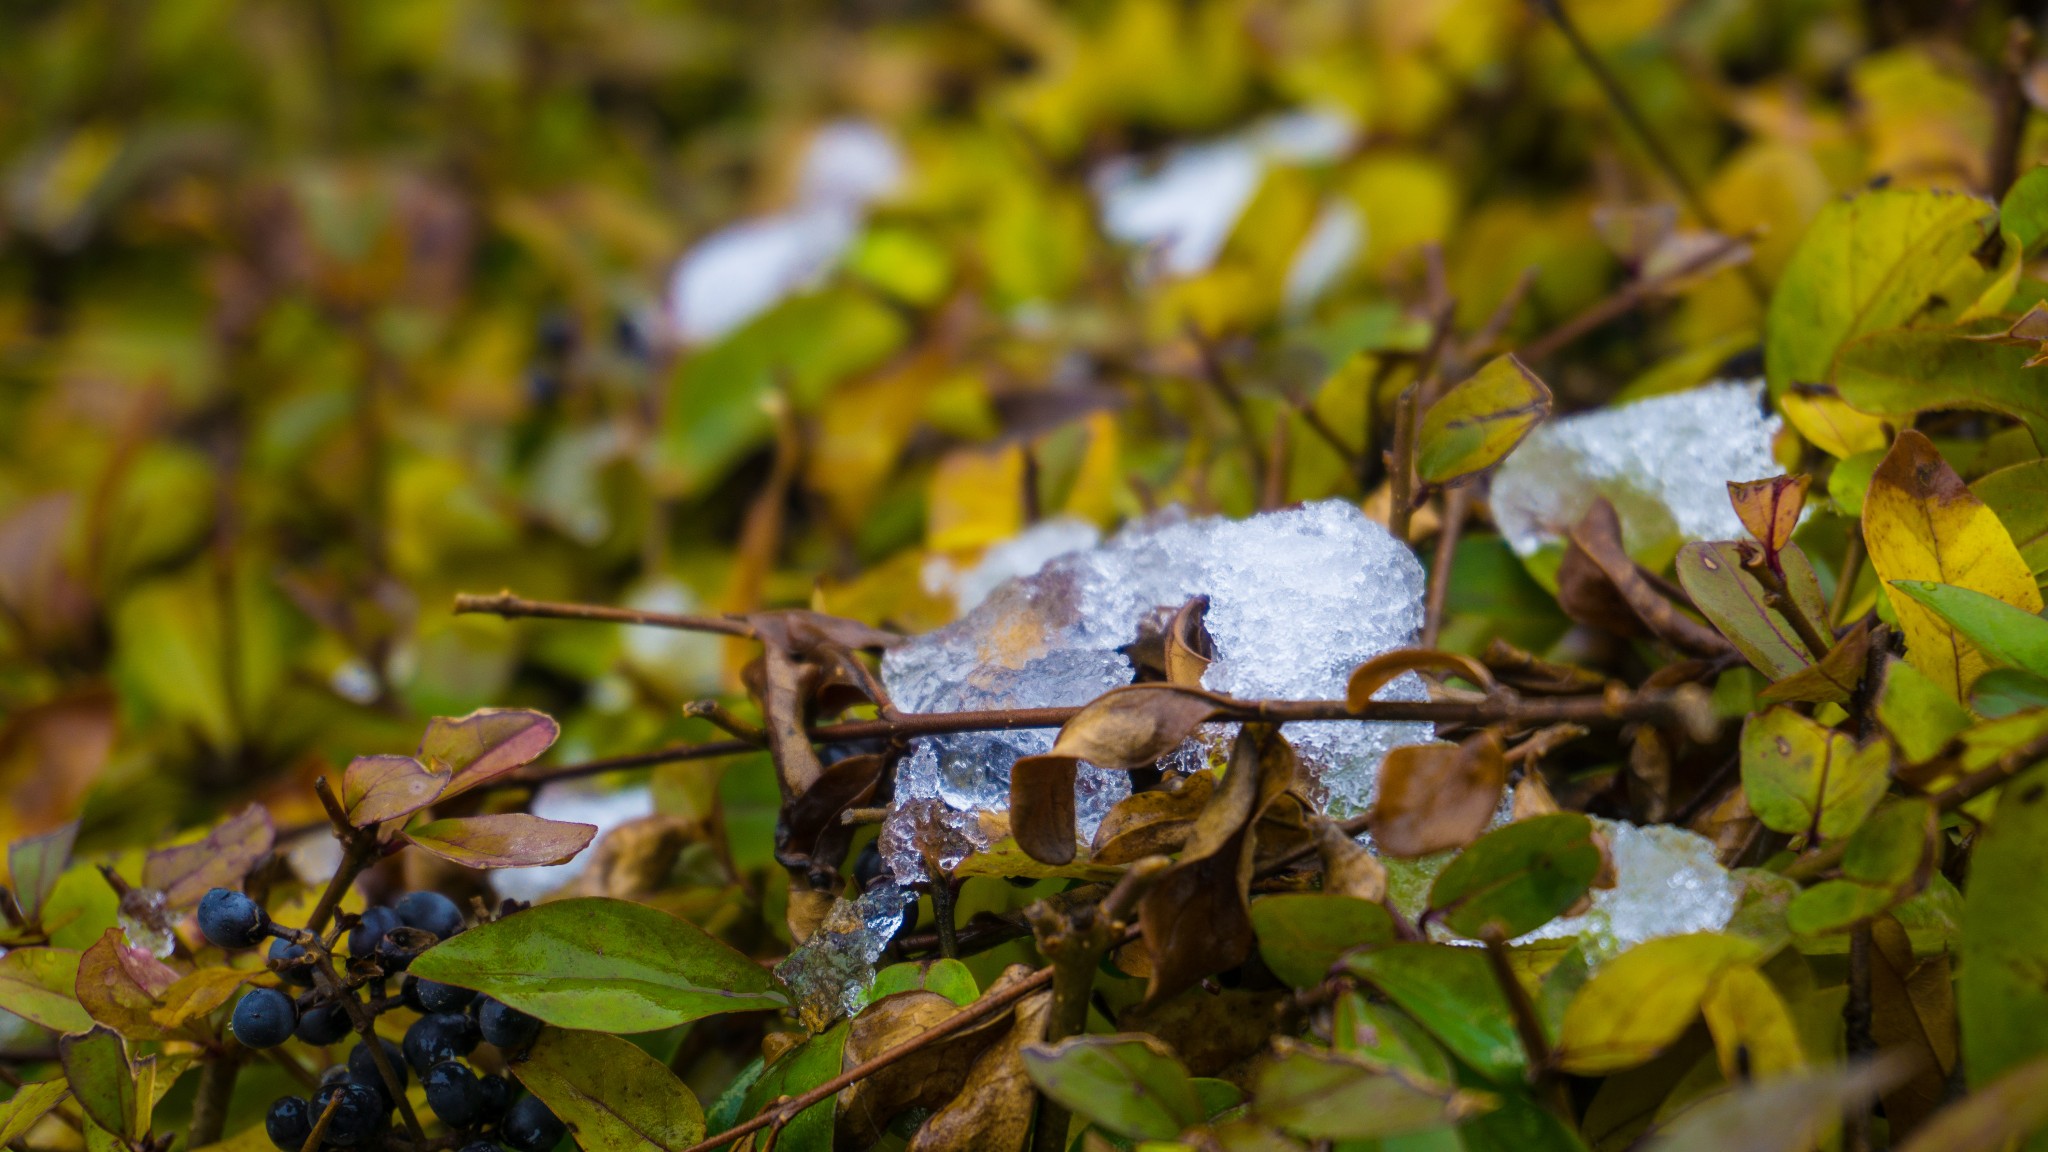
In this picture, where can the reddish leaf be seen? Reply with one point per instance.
(379, 788)
(485, 744)
(221, 859)
(509, 840)
(1770, 508)
(1382, 669)
(122, 986)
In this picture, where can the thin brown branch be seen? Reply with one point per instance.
(210, 1102)
(989, 1005)
(1457, 502)
(1217, 377)
(359, 849)
(1625, 300)
(1528, 1025)
(318, 1135)
(512, 607)
(722, 719)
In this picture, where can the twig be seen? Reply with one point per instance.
(1623, 301)
(1955, 796)
(319, 1133)
(1401, 462)
(210, 1102)
(1457, 502)
(359, 848)
(511, 607)
(723, 720)
(2011, 127)
(974, 1013)
(1218, 378)
(943, 914)
(1528, 1025)
(1604, 710)
(1639, 125)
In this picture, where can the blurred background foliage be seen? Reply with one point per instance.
(313, 314)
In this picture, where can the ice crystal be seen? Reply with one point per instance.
(1667, 883)
(830, 972)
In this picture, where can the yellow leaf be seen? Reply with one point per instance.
(1476, 424)
(1752, 1028)
(977, 498)
(1643, 1000)
(1921, 523)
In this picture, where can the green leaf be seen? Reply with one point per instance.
(1874, 261)
(2007, 635)
(2003, 692)
(613, 1096)
(34, 864)
(1476, 424)
(1887, 861)
(506, 840)
(1518, 877)
(1323, 1095)
(604, 965)
(1734, 602)
(1920, 716)
(798, 1071)
(1301, 934)
(1451, 991)
(1850, 481)
(96, 1064)
(1900, 374)
(1129, 1083)
(28, 1105)
(1643, 999)
(949, 978)
(2001, 997)
(1807, 780)
(1382, 1032)
(2024, 211)
(37, 984)
(2014, 495)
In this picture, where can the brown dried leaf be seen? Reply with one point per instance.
(1197, 918)
(1131, 727)
(379, 788)
(1600, 586)
(222, 859)
(1188, 647)
(1833, 680)
(1770, 508)
(1381, 670)
(1042, 807)
(1438, 796)
(1211, 1032)
(781, 691)
(812, 819)
(1913, 1006)
(1153, 823)
(799, 631)
(992, 1111)
(1348, 869)
(927, 1078)
(506, 840)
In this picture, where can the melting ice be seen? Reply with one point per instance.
(1663, 462)
(1297, 599)
(1667, 883)
(830, 972)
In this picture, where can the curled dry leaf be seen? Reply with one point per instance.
(1832, 681)
(781, 692)
(1125, 728)
(1600, 586)
(1197, 918)
(1438, 796)
(1376, 673)
(993, 1108)
(927, 1078)
(810, 826)
(1348, 869)
(1155, 822)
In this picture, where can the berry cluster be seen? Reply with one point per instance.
(485, 1110)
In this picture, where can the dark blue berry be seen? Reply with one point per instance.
(288, 1123)
(335, 1075)
(370, 931)
(282, 953)
(355, 1119)
(508, 1028)
(323, 1024)
(429, 912)
(362, 1067)
(497, 1096)
(265, 1018)
(230, 919)
(441, 1036)
(453, 1093)
(437, 997)
(530, 1127)
(481, 1146)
